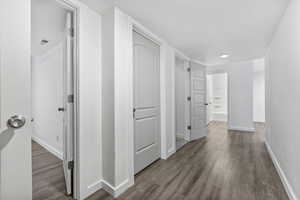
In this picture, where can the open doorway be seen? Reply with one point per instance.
(259, 93)
(53, 87)
(217, 97)
(182, 102)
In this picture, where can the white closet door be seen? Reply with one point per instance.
(146, 102)
(198, 101)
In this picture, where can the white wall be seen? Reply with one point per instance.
(47, 73)
(240, 91)
(259, 96)
(54, 30)
(108, 112)
(180, 97)
(47, 97)
(116, 101)
(118, 160)
(89, 108)
(282, 98)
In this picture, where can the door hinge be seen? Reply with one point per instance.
(71, 32)
(189, 69)
(133, 113)
(71, 164)
(189, 127)
(71, 98)
(189, 98)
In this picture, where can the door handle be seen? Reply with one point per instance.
(206, 104)
(16, 121)
(134, 113)
(61, 109)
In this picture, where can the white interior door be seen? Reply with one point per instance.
(209, 95)
(198, 101)
(69, 105)
(15, 98)
(146, 101)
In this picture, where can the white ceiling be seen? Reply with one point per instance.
(204, 29)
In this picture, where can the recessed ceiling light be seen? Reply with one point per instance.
(224, 55)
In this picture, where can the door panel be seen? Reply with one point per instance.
(145, 127)
(198, 100)
(15, 92)
(146, 101)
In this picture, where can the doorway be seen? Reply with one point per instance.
(217, 97)
(53, 86)
(182, 102)
(146, 103)
(190, 102)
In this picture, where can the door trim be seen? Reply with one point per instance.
(136, 117)
(75, 11)
(228, 93)
(137, 27)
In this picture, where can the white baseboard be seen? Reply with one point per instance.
(288, 188)
(118, 190)
(170, 152)
(222, 117)
(48, 147)
(180, 135)
(92, 189)
(244, 129)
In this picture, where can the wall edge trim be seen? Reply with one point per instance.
(287, 186)
(116, 191)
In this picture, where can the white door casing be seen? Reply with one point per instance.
(15, 94)
(68, 138)
(198, 101)
(146, 59)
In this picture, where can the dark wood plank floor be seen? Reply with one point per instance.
(47, 175)
(224, 166)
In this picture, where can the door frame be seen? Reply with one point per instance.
(75, 11)
(137, 27)
(75, 174)
(138, 31)
(227, 91)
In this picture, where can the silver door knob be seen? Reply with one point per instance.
(16, 121)
(61, 109)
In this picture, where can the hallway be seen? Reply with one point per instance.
(47, 175)
(226, 165)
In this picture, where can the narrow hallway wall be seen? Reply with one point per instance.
(282, 97)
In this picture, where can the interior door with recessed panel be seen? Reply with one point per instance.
(146, 101)
(198, 101)
(15, 101)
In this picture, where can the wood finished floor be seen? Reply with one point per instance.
(224, 166)
(47, 175)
